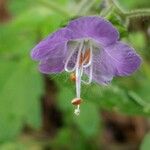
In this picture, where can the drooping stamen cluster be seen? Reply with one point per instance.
(83, 61)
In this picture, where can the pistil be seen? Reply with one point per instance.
(83, 61)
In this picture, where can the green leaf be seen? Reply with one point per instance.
(20, 100)
(62, 139)
(65, 96)
(16, 7)
(67, 139)
(119, 24)
(137, 39)
(145, 143)
(89, 119)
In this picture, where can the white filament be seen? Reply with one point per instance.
(78, 71)
(78, 68)
(89, 64)
(69, 58)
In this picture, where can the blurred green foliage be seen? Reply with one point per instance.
(22, 85)
(146, 144)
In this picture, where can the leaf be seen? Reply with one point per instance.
(119, 24)
(67, 139)
(16, 7)
(62, 139)
(89, 119)
(20, 101)
(65, 96)
(137, 40)
(145, 143)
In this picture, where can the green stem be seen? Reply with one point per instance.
(85, 6)
(106, 12)
(81, 6)
(138, 13)
(140, 101)
(52, 5)
(137, 99)
(117, 6)
(128, 14)
(92, 2)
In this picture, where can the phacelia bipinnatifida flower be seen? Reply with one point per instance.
(87, 45)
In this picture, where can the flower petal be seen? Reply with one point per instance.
(94, 27)
(116, 60)
(71, 54)
(123, 58)
(47, 46)
(54, 62)
(51, 66)
(102, 67)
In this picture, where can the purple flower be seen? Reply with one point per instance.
(88, 45)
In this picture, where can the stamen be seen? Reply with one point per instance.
(73, 77)
(78, 71)
(69, 58)
(89, 64)
(76, 101)
(78, 77)
(77, 110)
(84, 60)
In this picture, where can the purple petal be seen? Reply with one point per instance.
(51, 66)
(94, 27)
(48, 45)
(71, 54)
(54, 62)
(123, 58)
(102, 67)
(116, 60)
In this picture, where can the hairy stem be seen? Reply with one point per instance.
(116, 6)
(128, 14)
(85, 6)
(139, 101)
(138, 13)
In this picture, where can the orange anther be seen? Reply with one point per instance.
(85, 58)
(72, 77)
(76, 101)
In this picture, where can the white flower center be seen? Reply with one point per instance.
(83, 61)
